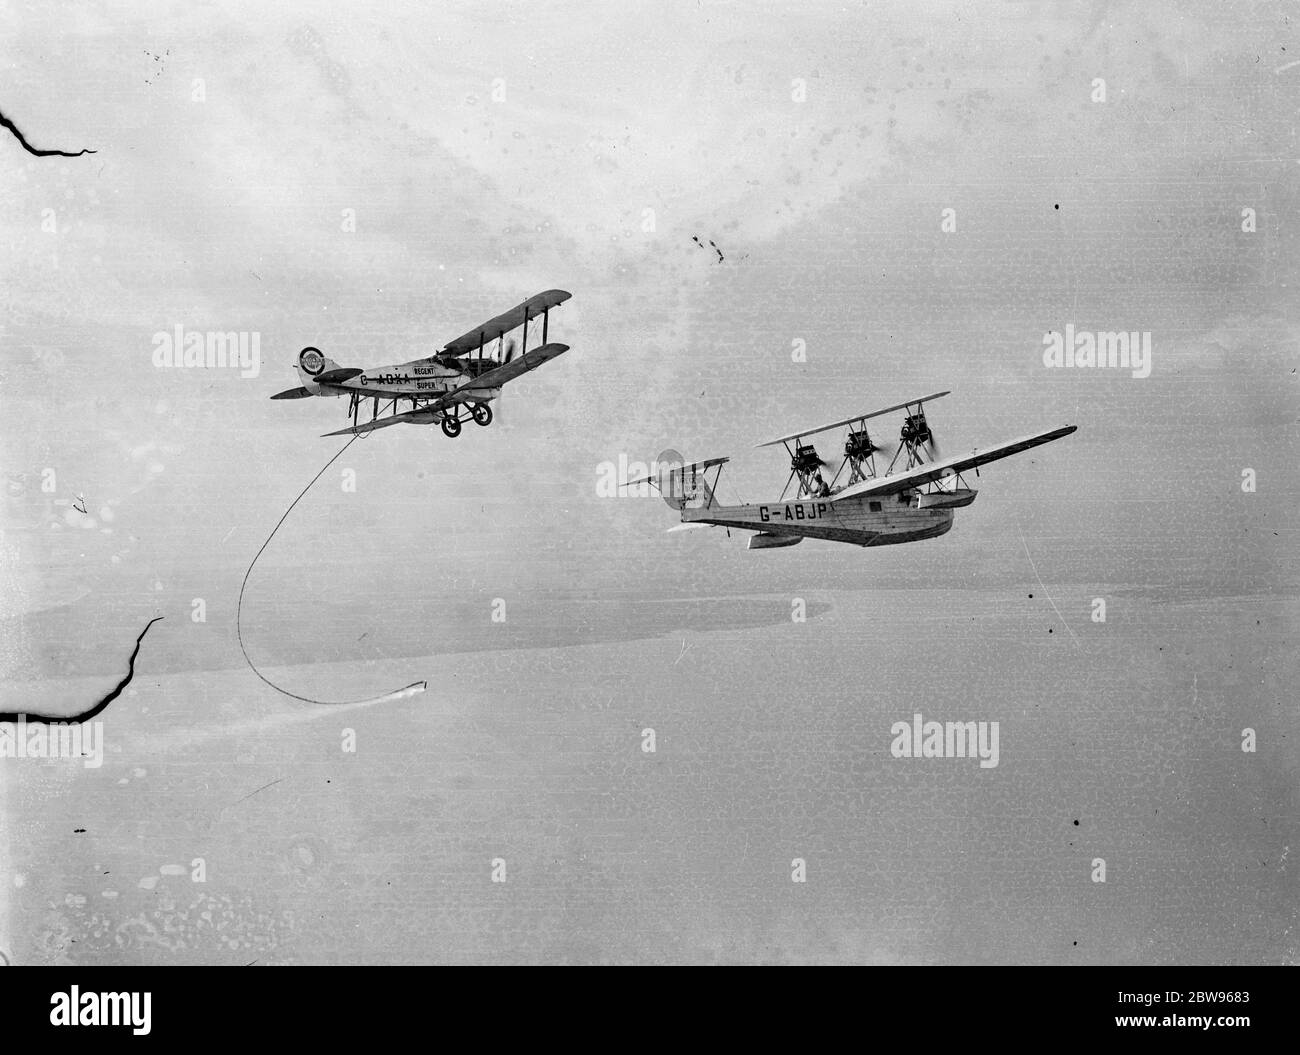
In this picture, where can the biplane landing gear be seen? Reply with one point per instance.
(451, 427)
(482, 414)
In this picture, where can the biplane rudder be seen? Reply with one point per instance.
(310, 365)
(685, 488)
(682, 486)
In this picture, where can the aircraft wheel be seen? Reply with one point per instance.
(482, 414)
(451, 427)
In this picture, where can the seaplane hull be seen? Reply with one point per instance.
(854, 523)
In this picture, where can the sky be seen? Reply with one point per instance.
(719, 185)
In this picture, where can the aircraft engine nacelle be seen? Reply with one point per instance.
(765, 540)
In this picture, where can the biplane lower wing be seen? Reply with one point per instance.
(422, 416)
(521, 364)
(505, 322)
(477, 391)
(931, 471)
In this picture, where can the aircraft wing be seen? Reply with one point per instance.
(503, 324)
(470, 392)
(924, 474)
(421, 415)
(850, 421)
(520, 364)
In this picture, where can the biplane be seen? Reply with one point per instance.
(452, 386)
(865, 503)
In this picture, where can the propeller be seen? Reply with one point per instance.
(510, 351)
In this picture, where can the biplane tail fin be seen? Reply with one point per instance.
(681, 486)
(688, 489)
(311, 365)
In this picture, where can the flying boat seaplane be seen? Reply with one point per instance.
(865, 503)
(452, 386)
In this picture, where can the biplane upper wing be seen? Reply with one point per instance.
(924, 474)
(504, 323)
(850, 421)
